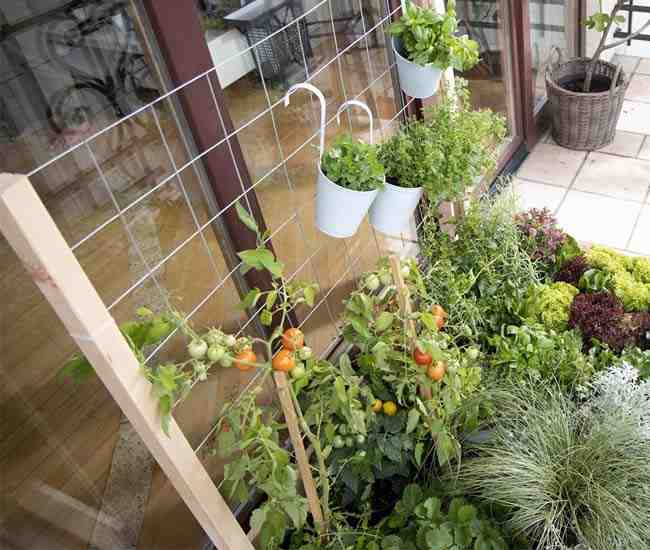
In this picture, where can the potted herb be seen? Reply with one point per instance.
(425, 44)
(440, 156)
(586, 94)
(349, 174)
(465, 143)
(349, 178)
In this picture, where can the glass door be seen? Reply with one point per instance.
(494, 82)
(545, 24)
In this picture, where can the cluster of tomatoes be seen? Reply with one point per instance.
(435, 370)
(289, 358)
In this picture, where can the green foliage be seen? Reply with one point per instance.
(353, 164)
(629, 277)
(481, 277)
(429, 38)
(601, 20)
(446, 152)
(533, 353)
(409, 156)
(423, 521)
(565, 474)
(251, 441)
(464, 141)
(146, 330)
(549, 304)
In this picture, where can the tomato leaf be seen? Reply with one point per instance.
(413, 419)
(246, 218)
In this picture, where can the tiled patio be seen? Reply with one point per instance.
(602, 196)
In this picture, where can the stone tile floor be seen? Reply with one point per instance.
(600, 197)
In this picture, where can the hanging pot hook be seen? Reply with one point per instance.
(354, 102)
(323, 107)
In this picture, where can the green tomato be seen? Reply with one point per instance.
(298, 371)
(361, 454)
(360, 439)
(472, 353)
(197, 349)
(230, 341)
(406, 270)
(338, 442)
(386, 279)
(305, 353)
(226, 361)
(349, 441)
(343, 429)
(372, 282)
(215, 353)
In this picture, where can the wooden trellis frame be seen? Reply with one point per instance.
(42, 249)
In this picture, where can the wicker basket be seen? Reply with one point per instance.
(584, 121)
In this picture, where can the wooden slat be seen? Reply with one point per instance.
(406, 308)
(34, 236)
(304, 468)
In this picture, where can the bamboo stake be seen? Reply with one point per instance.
(406, 308)
(290, 416)
(33, 234)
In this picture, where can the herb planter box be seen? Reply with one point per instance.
(417, 81)
(393, 209)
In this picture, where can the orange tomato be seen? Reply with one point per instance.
(421, 357)
(440, 315)
(245, 356)
(437, 372)
(283, 361)
(293, 339)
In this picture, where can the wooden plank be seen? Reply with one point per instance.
(406, 308)
(32, 233)
(304, 468)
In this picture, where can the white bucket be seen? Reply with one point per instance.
(339, 211)
(393, 208)
(416, 80)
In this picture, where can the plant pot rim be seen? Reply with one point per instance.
(553, 82)
(430, 66)
(345, 189)
(400, 189)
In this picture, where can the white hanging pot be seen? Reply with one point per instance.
(339, 211)
(393, 208)
(417, 81)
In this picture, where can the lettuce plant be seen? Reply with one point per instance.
(550, 304)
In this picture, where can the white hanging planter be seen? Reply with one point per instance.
(417, 81)
(339, 211)
(393, 208)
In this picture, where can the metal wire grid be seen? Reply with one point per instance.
(176, 173)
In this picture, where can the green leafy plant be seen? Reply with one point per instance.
(549, 305)
(627, 277)
(532, 353)
(408, 156)
(480, 277)
(250, 439)
(422, 521)
(603, 22)
(429, 38)
(564, 474)
(353, 164)
(147, 329)
(464, 142)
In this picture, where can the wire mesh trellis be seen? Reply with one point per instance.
(151, 262)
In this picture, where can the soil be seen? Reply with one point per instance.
(575, 83)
